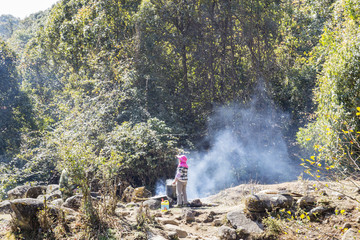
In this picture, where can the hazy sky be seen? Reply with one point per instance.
(23, 8)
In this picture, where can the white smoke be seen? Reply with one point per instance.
(246, 145)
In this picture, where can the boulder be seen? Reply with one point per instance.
(127, 194)
(57, 202)
(171, 228)
(217, 222)
(152, 204)
(73, 202)
(132, 205)
(54, 195)
(263, 202)
(338, 195)
(196, 203)
(188, 215)
(25, 212)
(239, 221)
(5, 207)
(165, 221)
(52, 188)
(18, 192)
(318, 212)
(140, 194)
(34, 192)
(351, 234)
(172, 235)
(209, 217)
(50, 197)
(226, 233)
(306, 201)
(152, 236)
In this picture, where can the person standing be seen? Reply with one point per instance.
(181, 179)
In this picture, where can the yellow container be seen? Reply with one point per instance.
(165, 206)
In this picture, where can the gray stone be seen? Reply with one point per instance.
(351, 234)
(306, 201)
(196, 203)
(171, 228)
(73, 202)
(50, 197)
(346, 225)
(5, 207)
(239, 221)
(25, 212)
(165, 221)
(217, 222)
(338, 195)
(226, 233)
(173, 235)
(268, 191)
(34, 192)
(153, 204)
(188, 215)
(263, 202)
(152, 236)
(57, 202)
(317, 212)
(52, 188)
(18, 192)
(132, 205)
(209, 217)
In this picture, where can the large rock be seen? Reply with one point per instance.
(140, 194)
(306, 201)
(263, 202)
(127, 194)
(152, 204)
(152, 236)
(18, 192)
(51, 196)
(165, 221)
(57, 202)
(73, 202)
(196, 203)
(209, 217)
(34, 192)
(52, 188)
(226, 233)
(171, 228)
(319, 211)
(239, 221)
(25, 212)
(351, 234)
(5, 207)
(188, 215)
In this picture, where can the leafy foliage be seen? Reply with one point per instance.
(337, 92)
(8, 24)
(116, 87)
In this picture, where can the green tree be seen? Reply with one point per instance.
(8, 24)
(15, 107)
(336, 95)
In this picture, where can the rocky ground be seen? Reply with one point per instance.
(318, 210)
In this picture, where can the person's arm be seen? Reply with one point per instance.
(176, 176)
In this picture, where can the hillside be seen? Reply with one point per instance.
(212, 220)
(107, 93)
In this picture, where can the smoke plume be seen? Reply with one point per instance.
(246, 145)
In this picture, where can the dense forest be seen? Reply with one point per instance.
(114, 89)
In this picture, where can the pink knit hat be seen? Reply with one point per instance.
(183, 160)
